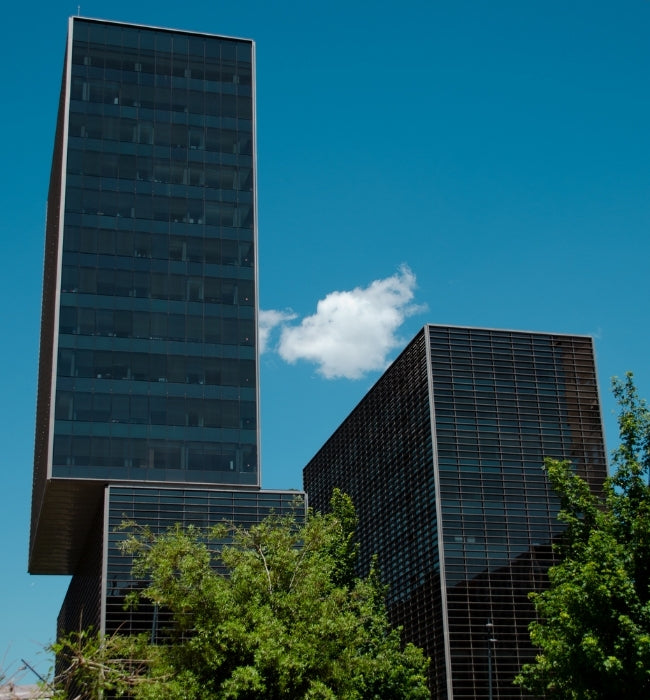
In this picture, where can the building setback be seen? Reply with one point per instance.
(148, 369)
(442, 459)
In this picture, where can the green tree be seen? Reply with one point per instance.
(274, 611)
(593, 631)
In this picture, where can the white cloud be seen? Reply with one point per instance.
(267, 321)
(352, 332)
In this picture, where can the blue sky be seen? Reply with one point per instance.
(461, 162)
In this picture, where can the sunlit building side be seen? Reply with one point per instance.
(443, 460)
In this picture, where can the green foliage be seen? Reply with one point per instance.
(97, 664)
(274, 611)
(594, 626)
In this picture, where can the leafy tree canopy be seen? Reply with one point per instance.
(274, 611)
(594, 626)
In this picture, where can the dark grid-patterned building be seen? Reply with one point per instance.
(148, 370)
(443, 461)
(99, 589)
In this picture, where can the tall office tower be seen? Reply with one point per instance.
(148, 362)
(443, 460)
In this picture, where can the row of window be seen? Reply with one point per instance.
(483, 415)
(508, 387)
(491, 358)
(163, 74)
(499, 354)
(129, 204)
(152, 325)
(464, 338)
(154, 410)
(553, 363)
(477, 513)
(129, 48)
(469, 376)
(473, 339)
(500, 391)
(159, 116)
(573, 419)
(105, 128)
(517, 437)
(501, 349)
(511, 484)
(132, 199)
(503, 381)
(489, 454)
(144, 367)
(162, 98)
(172, 503)
(529, 390)
(534, 449)
(502, 421)
(514, 442)
(91, 452)
(158, 232)
(502, 404)
(145, 245)
(516, 523)
(462, 426)
(156, 285)
(166, 170)
(491, 540)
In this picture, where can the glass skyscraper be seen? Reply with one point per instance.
(443, 460)
(148, 371)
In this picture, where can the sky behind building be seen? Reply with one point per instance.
(460, 163)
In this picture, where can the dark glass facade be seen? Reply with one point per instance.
(148, 371)
(148, 368)
(156, 374)
(98, 589)
(443, 461)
